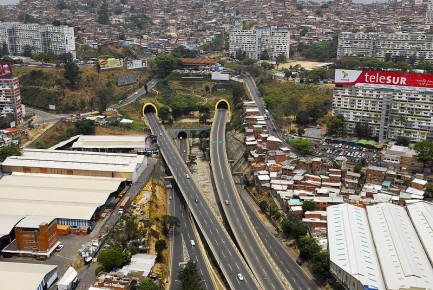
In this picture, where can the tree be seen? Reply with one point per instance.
(293, 227)
(303, 146)
(85, 127)
(164, 113)
(98, 67)
(362, 130)
(7, 151)
(424, 151)
(357, 168)
(5, 122)
(189, 277)
(169, 221)
(281, 58)
(264, 55)
(113, 257)
(160, 246)
(320, 265)
(336, 126)
(308, 247)
(301, 131)
(72, 71)
(192, 160)
(103, 14)
(148, 284)
(402, 141)
(428, 190)
(249, 61)
(309, 205)
(165, 64)
(27, 51)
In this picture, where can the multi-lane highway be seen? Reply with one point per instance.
(183, 249)
(227, 256)
(250, 244)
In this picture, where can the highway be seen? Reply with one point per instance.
(228, 258)
(250, 244)
(182, 250)
(292, 271)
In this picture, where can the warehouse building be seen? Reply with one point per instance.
(402, 258)
(7, 225)
(18, 276)
(73, 200)
(348, 232)
(115, 144)
(127, 166)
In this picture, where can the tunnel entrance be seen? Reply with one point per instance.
(182, 134)
(149, 108)
(222, 104)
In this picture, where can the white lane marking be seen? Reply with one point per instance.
(230, 266)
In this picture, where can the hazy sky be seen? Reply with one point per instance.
(7, 2)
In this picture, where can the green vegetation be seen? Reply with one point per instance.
(165, 64)
(85, 127)
(320, 51)
(168, 222)
(189, 277)
(336, 126)
(148, 284)
(113, 257)
(303, 146)
(424, 150)
(7, 151)
(160, 246)
(309, 205)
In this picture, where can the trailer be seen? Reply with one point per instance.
(69, 281)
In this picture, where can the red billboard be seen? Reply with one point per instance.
(5, 70)
(382, 78)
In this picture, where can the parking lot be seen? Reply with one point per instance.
(352, 151)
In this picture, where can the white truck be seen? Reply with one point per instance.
(69, 280)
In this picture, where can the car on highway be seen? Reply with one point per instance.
(187, 176)
(196, 200)
(226, 202)
(170, 197)
(299, 261)
(240, 277)
(192, 243)
(160, 133)
(184, 151)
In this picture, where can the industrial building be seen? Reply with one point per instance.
(348, 232)
(7, 225)
(384, 246)
(34, 236)
(385, 46)
(276, 41)
(116, 144)
(40, 38)
(393, 104)
(128, 166)
(18, 276)
(73, 200)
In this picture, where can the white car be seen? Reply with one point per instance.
(160, 133)
(240, 277)
(192, 243)
(187, 176)
(59, 248)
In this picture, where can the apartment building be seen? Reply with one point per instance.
(10, 97)
(429, 13)
(41, 38)
(275, 41)
(393, 104)
(386, 45)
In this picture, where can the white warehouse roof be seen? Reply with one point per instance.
(348, 233)
(8, 222)
(78, 160)
(34, 221)
(17, 276)
(96, 141)
(421, 214)
(401, 255)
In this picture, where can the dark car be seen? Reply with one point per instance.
(299, 261)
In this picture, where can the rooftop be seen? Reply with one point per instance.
(34, 221)
(96, 141)
(17, 276)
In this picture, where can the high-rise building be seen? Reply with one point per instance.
(393, 104)
(384, 46)
(429, 13)
(10, 97)
(41, 38)
(275, 41)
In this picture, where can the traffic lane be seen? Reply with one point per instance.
(186, 232)
(182, 148)
(289, 267)
(242, 228)
(140, 92)
(233, 264)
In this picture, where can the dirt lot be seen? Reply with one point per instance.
(305, 64)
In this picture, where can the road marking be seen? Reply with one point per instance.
(230, 266)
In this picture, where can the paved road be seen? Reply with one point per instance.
(292, 271)
(249, 242)
(228, 258)
(182, 250)
(137, 94)
(44, 117)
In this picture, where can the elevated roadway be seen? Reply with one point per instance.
(255, 252)
(225, 252)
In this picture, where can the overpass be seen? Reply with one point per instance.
(222, 247)
(249, 242)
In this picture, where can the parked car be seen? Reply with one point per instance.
(59, 248)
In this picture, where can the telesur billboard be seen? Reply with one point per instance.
(382, 78)
(107, 63)
(136, 63)
(5, 70)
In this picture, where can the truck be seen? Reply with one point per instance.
(69, 280)
(124, 205)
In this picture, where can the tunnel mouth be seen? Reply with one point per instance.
(222, 104)
(149, 108)
(182, 134)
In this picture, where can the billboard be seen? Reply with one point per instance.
(136, 63)
(151, 144)
(5, 70)
(107, 63)
(382, 79)
(216, 76)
